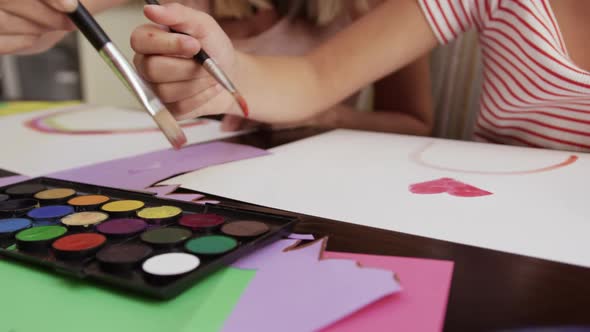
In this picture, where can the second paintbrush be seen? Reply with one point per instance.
(214, 70)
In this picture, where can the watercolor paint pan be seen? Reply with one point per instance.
(17, 207)
(129, 240)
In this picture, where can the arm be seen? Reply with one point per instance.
(403, 100)
(402, 104)
(35, 26)
(278, 89)
(303, 87)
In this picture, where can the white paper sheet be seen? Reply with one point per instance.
(32, 152)
(363, 178)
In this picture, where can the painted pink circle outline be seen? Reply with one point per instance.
(417, 157)
(37, 124)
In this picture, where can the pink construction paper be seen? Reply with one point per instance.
(139, 172)
(421, 307)
(297, 283)
(8, 180)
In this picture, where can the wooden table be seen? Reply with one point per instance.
(491, 290)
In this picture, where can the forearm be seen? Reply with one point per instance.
(343, 116)
(280, 89)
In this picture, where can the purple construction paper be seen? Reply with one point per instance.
(8, 180)
(143, 171)
(317, 291)
(183, 197)
(163, 190)
(269, 255)
(295, 236)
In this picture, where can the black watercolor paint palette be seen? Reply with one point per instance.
(131, 240)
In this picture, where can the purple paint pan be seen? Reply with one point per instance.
(122, 227)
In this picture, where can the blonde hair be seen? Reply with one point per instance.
(324, 12)
(320, 12)
(239, 8)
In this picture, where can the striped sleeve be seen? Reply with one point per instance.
(450, 18)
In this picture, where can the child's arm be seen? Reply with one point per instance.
(403, 100)
(278, 89)
(402, 104)
(32, 26)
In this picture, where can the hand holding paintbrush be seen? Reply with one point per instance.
(33, 26)
(171, 61)
(93, 32)
(214, 70)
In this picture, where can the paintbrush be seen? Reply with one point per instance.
(122, 68)
(214, 70)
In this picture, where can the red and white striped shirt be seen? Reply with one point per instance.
(533, 94)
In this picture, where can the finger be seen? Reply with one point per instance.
(65, 6)
(166, 69)
(231, 123)
(201, 5)
(43, 43)
(177, 91)
(37, 12)
(211, 101)
(14, 25)
(15, 43)
(150, 39)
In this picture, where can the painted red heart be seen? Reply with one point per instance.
(447, 185)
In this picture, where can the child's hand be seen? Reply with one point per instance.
(28, 26)
(165, 60)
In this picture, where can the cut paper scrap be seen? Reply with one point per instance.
(449, 186)
(167, 192)
(188, 198)
(420, 307)
(297, 283)
(205, 201)
(269, 255)
(8, 180)
(295, 236)
(121, 173)
(202, 308)
(163, 190)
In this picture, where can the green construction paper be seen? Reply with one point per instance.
(37, 300)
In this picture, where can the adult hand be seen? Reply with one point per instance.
(30, 26)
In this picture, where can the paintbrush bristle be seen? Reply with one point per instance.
(242, 102)
(170, 128)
